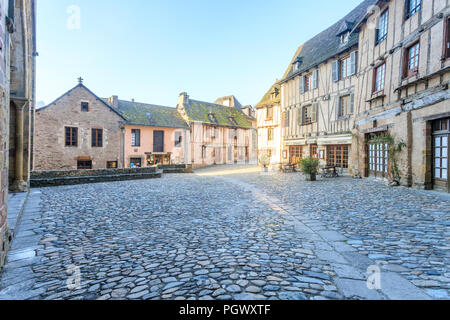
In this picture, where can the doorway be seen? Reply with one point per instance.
(441, 137)
(158, 141)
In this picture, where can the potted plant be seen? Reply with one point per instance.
(309, 167)
(264, 160)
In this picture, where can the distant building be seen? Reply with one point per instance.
(153, 134)
(78, 130)
(220, 133)
(268, 115)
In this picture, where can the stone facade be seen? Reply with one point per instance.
(51, 149)
(17, 92)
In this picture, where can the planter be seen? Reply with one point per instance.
(311, 177)
(264, 169)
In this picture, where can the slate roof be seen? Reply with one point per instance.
(267, 98)
(327, 44)
(137, 113)
(200, 111)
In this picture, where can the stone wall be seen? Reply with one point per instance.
(50, 151)
(176, 168)
(71, 177)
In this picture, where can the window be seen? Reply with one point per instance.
(269, 113)
(111, 165)
(135, 162)
(345, 67)
(270, 132)
(382, 30)
(308, 82)
(412, 7)
(344, 106)
(295, 154)
(441, 136)
(314, 153)
(447, 39)
(306, 115)
(84, 106)
(338, 156)
(203, 152)
(380, 74)
(411, 62)
(178, 139)
(135, 137)
(212, 118)
(84, 164)
(233, 121)
(97, 137)
(71, 137)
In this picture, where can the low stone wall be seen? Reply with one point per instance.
(176, 168)
(72, 177)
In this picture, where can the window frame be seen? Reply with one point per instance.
(270, 134)
(385, 22)
(375, 88)
(96, 142)
(306, 115)
(109, 166)
(132, 160)
(136, 142)
(308, 82)
(411, 12)
(446, 48)
(84, 167)
(345, 67)
(348, 106)
(178, 139)
(84, 104)
(407, 72)
(338, 155)
(73, 139)
(269, 115)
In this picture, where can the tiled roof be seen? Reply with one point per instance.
(201, 111)
(151, 115)
(327, 44)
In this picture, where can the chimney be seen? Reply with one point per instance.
(114, 101)
(183, 99)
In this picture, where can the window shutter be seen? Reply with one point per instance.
(314, 112)
(315, 79)
(302, 115)
(353, 63)
(352, 103)
(287, 119)
(302, 84)
(336, 71)
(339, 111)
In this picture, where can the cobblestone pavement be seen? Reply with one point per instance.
(230, 233)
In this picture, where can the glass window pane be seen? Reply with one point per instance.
(437, 162)
(437, 173)
(444, 141)
(437, 152)
(437, 141)
(444, 152)
(444, 174)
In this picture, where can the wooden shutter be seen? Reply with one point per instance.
(353, 63)
(336, 71)
(287, 118)
(352, 103)
(314, 110)
(302, 84)
(315, 79)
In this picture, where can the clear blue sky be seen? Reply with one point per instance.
(151, 50)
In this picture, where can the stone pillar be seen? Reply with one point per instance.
(19, 184)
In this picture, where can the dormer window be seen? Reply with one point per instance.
(345, 37)
(85, 106)
(212, 118)
(233, 121)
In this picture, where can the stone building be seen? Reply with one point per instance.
(220, 133)
(153, 134)
(78, 130)
(317, 95)
(268, 115)
(17, 102)
(402, 86)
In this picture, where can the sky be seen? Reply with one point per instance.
(152, 50)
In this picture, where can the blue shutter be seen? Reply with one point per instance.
(302, 84)
(315, 79)
(353, 63)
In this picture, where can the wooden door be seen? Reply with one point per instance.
(158, 141)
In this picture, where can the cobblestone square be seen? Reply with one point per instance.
(230, 233)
